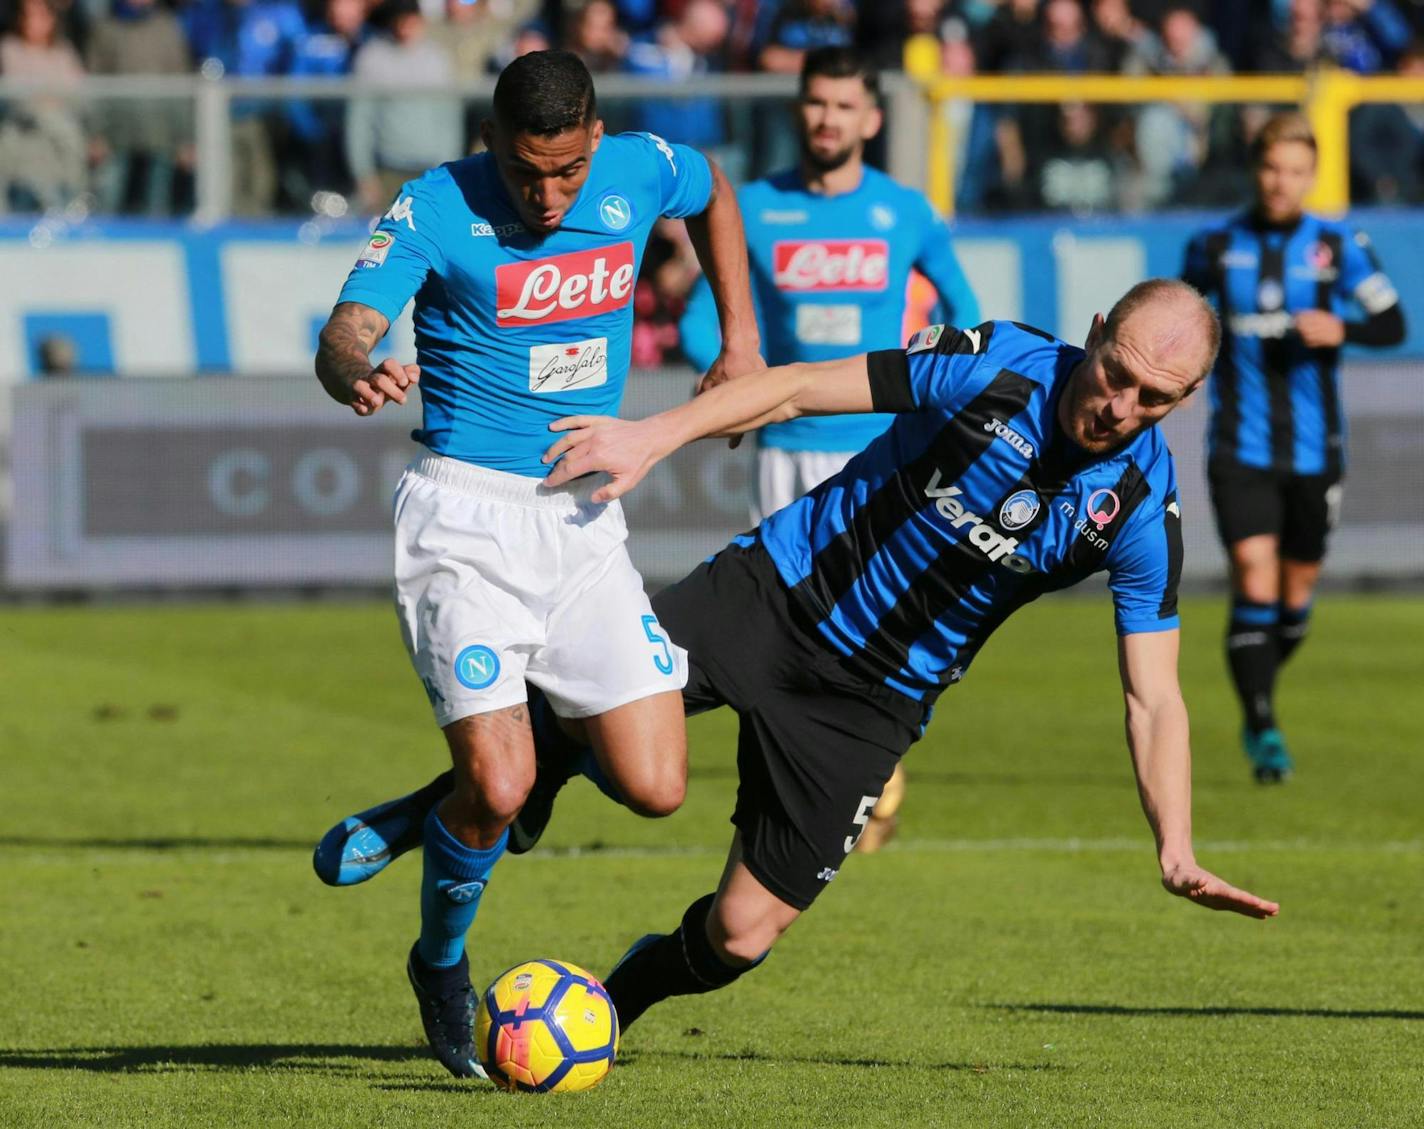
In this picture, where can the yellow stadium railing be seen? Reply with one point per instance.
(1326, 96)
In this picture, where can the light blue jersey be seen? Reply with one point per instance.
(514, 330)
(829, 276)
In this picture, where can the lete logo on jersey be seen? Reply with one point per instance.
(577, 285)
(831, 264)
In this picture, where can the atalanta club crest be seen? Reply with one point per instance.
(1018, 510)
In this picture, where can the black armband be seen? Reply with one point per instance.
(889, 371)
(1378, 330)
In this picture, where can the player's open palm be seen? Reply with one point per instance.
(389, 381)
(1201, 886)
(623, 449)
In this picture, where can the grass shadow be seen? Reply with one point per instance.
(159, 843)
(850, 1062)
(326, 1057)
(1215, 1011)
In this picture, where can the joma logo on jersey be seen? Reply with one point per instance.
(982, 535)
(831, 264)
(577, 285)
(1010, 436)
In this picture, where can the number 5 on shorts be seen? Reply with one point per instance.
(664, 661)
(862, 817)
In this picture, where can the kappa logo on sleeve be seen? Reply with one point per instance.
(665, 149)
(402, 212)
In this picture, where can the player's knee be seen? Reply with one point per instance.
(658, 796)
(746, 942)
(495, 799)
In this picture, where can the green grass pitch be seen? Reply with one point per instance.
(169, 959)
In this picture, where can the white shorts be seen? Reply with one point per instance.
(499, 579)
(783, 476)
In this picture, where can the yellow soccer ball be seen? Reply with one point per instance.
(546, 1025)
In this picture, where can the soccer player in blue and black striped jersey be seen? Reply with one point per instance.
(1017, 464)
(1282, 281)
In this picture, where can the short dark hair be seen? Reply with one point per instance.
(840, 62)
(544, 93)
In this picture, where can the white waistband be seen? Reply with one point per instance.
(482, 482)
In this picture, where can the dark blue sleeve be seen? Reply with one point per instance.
(938, 263)
(1197, 268)
(1145, 565)
(1361, 277)
(932, 370)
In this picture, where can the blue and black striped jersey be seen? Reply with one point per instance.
(1275, 404)
(972, 504)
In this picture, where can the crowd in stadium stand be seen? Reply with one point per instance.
(136, 156)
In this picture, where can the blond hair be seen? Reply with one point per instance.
(1290, 126)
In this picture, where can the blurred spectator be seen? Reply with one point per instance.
(390, 137)
(1011, 34)
(532, 36)
(474, 31)
(58, 356)
(140, 142)
(1173, 138)
(1387, 145)
(1365, 36)
(42, 145)
(799, 26)
(1118, 29)
(973, 124)
(1077, 170)
(595, 37)
(250, 39)
(1297, 46)
(317, 157)
(1067, 44)
(684, 48)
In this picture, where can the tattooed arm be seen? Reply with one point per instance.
(343, 361)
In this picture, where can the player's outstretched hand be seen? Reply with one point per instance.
(729, 365)
(1201, 886)
(388, 381)
(624, 449)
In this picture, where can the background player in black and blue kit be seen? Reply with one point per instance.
(1281, 280)
(1017, 464)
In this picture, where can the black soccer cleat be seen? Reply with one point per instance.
(447, 1011)
(363, 845)
(552, 772)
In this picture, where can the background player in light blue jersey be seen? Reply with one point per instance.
(831, 243)
(1282, 280)
(522, 262)
(1017, 464)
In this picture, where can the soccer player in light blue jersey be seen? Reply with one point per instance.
(1017, 465)
(831, 244)
(521, 262)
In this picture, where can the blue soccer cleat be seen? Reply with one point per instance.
(363, 845)
(447, 1011)
(1270, 761)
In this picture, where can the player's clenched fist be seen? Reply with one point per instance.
(388, 381)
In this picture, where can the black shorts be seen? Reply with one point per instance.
(816, 743)
(1299, 509)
